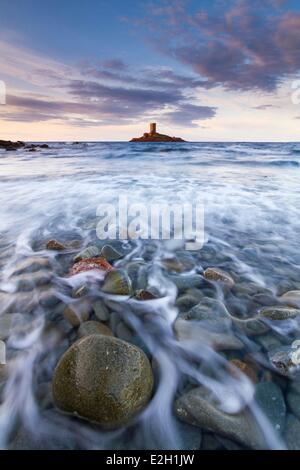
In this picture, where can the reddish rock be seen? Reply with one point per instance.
(89, 264)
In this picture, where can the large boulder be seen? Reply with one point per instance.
(104, 380)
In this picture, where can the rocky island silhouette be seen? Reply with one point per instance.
(154, 136)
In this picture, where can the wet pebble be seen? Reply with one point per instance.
(48, 299)
(279, 313)
(211, 314)
(101, 369)
(100, 310)
(191, 331)
(197, 408)
(89, 252)
(123, 331)
(218, 275)
(270, 399)
(110, 253)
(286, 359)
(76, 315)
(55, 245)
(185, 282)
(117, 282)
(292, 298)
(93, 328)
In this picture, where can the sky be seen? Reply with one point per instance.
(101, 70)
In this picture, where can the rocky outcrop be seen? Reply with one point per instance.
(9, 146)
(154, 136)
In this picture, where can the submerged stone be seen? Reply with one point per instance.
(55, 245)
(117, 282)
(218, 275)
(76, 316)
(93, 328)
(89, 252)
(286, 359)
(292, 298)
(100, 310)
(192, 331)
(270, 399)
(110, 253)
(279, 313)
(197, 408)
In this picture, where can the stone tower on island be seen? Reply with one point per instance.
(153, 128)
(154, 136)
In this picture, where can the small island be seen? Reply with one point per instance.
(154, 136)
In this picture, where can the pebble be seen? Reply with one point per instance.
(93, 328)
(123, 332)
(89, 264)
(292, 298)
(270, 399)
(211, 314)
(48, 299)
(186, 302)
(251, 326)
(103, 380)
(55, 245)
(279, 313)
(146, 295)
(76, 317)
(89, 252)
(138, 275)
(185, 282)
(110, 253)
(218, 275)
(196, 408)
(100, 310)
(117, 282)
(286, 358)
(192, 331)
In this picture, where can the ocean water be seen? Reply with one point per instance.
(251, 200)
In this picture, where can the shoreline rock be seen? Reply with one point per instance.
(104, 380)
(9, 146)
(197, 409)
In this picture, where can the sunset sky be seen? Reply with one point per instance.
(103, 69)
